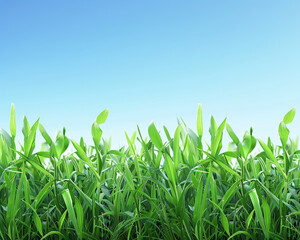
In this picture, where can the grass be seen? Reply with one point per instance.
(183, 188)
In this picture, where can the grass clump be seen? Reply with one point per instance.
(177, 189)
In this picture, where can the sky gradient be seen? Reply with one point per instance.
(66, 61)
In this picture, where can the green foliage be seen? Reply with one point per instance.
(151, 189)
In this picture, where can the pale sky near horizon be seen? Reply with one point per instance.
(66, 61)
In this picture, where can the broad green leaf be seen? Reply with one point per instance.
(101, 118)
(232, 134)
(247, 146)
(45, 135)
(154, 136)
(61, 145)
(283, 133)
(96, 133)
(288, 118)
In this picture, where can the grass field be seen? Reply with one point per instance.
(183, 188)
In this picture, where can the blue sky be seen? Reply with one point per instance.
(66, 61)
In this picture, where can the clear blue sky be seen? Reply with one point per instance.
(65, 61)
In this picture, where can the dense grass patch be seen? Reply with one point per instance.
(183, 188)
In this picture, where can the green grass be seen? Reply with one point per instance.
(183, 188)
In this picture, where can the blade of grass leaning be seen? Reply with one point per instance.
(79, 215)
(45, 134)
(69, 203)
(255, 201)
(84, 157)
(232, 134)
(249, 218)
(224, 219)
(271, 156)
(267, 214)
(36, 219)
